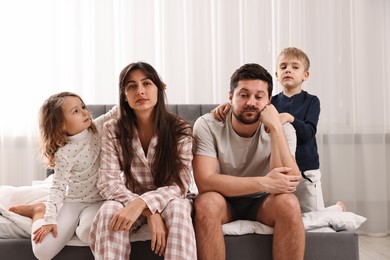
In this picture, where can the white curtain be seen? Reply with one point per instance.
(49, 46)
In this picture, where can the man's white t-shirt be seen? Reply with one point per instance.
(237, 156)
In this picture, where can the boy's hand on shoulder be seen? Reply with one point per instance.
(221, 111)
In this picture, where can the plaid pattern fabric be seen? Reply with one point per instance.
(106, 244)
(181, 243)
(111, 181)
(169, 201)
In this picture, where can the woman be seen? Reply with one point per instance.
(145, 172)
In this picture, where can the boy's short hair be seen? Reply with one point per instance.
(292, 52)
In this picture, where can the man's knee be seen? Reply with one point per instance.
(209, 205)
(289, 207)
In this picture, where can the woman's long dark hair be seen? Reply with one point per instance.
(168, 127)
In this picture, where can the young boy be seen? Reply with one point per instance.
(302, 110)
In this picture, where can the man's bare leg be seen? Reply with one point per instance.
(284, 214)
(34, 211)
(210, 213)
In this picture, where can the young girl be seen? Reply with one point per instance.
(145, 173)
(70, 142)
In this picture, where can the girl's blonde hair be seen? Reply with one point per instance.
(51, 121)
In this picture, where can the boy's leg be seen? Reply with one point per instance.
(309, 192)
(339, 206)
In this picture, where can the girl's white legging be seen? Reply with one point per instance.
(72, 218)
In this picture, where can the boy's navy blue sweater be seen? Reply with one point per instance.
(305, 108)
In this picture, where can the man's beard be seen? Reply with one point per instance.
(247, 121)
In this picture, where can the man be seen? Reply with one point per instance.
(245, 169)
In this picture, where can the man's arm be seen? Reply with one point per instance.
(280, 151)
(208, 178)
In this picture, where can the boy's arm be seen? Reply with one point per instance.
(221, 111)
(306, 129)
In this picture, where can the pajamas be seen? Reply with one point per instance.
(116, 245)
(73, 218)
(169, 201)
(310, 193)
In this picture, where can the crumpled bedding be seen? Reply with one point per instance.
(320, 221)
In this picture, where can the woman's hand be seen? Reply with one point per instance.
(42, 232)
(159, 233)
(125, 218)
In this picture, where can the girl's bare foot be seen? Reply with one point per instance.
(33, 211)
(342, 205)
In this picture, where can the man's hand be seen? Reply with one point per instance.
(125, 218)
(278, 181)
(159, 233)
(269, 116)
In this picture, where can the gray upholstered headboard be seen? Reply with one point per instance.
(189, 112)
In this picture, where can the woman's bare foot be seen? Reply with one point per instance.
(33, 211)
(342, 205)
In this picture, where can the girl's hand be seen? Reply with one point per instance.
(42, 232)
(220, 111)
(159, 233)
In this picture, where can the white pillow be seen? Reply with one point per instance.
(338, 220)
(11, 195)
(240, 227)
(319, 221)
(9, 229)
